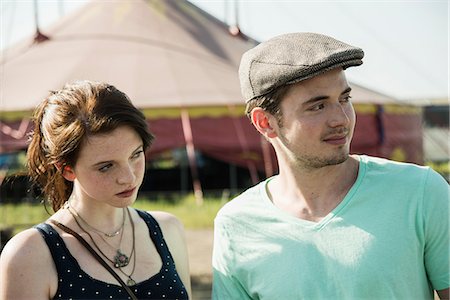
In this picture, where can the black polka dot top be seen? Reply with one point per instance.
(74, 283)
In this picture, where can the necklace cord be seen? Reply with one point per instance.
(115, 233)
(117, 263)
(95, 254)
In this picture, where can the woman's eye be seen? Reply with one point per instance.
(105, 168)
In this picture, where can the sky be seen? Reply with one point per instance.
(406, 43)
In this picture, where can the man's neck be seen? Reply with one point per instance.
(312, 194)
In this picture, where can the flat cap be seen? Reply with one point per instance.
(290, 58)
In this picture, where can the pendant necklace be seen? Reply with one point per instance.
(130, 281)
(120, 259)
(113, 234)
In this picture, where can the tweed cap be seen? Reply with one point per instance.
(290, 58)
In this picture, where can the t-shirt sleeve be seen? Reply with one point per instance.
(226, 285)
(436, 213)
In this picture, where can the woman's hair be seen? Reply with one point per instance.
(269, 102)
(64, 120)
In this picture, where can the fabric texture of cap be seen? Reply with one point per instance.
(290, 58)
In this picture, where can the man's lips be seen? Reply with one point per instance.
(336, 139)
(126, 193)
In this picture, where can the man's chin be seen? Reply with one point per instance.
(339, 160)
(322, 162)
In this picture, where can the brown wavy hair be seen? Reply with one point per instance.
(64, 120)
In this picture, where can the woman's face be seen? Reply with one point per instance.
(110, 167)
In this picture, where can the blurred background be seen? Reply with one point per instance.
(178, 61)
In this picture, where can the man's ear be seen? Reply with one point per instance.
(66, 171)
(263, 121)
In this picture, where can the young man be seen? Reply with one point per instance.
(330, 225)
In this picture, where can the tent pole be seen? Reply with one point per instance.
(268, 166)
(36, 15)
(236, 13)
(187, 131)
(243, 142)
(233, 178)
(39, 36)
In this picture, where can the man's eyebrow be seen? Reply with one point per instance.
(319, 98)
(346, 91)
(315, 99)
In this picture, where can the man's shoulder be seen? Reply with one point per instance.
(243, 202)
(387, 166)
(385, 171)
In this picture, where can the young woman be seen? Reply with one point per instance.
(87, 155)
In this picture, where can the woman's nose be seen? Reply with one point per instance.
(126, 175)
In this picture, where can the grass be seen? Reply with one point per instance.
(193, 216)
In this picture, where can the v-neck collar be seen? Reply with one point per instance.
(330, 216)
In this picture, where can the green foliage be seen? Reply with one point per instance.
(442, 168)
(20, 216)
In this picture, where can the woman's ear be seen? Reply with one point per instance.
(263, 121)
(66, 171)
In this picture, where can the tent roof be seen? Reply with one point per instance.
(364, 95)
(161, 53)
(435, 143)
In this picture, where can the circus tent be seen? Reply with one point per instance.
(179, 65)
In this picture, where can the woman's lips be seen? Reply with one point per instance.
(126, 193)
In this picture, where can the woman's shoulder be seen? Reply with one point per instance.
(174, 235)
(26, 261)
(167, 221)
(26, 248)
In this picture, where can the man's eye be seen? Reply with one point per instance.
(347, 99)
(137, 154)
(317, 107)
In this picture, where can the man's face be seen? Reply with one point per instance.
(317, 122)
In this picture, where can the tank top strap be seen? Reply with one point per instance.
(61, 256)
(157, 237)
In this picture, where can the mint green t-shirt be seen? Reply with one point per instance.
(387, 239)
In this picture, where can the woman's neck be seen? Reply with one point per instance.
(100, 216)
